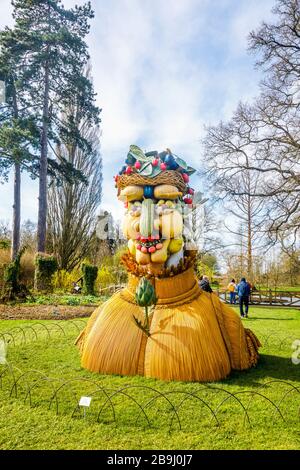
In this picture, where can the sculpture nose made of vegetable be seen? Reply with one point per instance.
(147, 218)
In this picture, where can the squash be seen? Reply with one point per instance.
(131, 193)
(130, 227)
(175, 245)
(166, 191)
(171, 225)
(177, 224)
(147, 218)
(161, 256)
(142, 258)
(132, 247)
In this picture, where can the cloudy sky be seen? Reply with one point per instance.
(162, 70)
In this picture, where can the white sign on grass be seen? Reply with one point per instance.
(2, 352)
(85, 401)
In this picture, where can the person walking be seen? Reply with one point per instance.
(204, 284)
(232, 291)
(243, 291)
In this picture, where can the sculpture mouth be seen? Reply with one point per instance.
(149, 244)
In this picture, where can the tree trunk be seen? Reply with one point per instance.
(42, 213)
(15, 246)
(16, 229)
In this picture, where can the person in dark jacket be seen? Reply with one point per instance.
(204, 284)
(243, 291)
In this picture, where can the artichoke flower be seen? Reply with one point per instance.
(145, 293)
(145, 297)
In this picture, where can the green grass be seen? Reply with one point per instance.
(280, 288)
(37, 427)
(65, 299)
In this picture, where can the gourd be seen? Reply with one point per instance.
(132, 247)
(130, 227)
(131, 193)
(161, 255)
(147, 218)
(166, 191)
(177, 224)
(171, 225)
(175, 245)
(142, 258)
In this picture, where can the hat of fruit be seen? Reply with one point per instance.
(154, 168)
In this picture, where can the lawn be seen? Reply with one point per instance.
(209, 415)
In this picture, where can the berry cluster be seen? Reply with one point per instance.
(149, 244)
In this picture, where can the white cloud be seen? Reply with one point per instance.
(162, 69)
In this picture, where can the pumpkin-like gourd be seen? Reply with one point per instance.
(147, 218)
(132, 247)
(166, 191)
(161, 256)
(175, 245)
(131, 193)
(171, 225)
(130, 227)
(177, 224)
(142, 258)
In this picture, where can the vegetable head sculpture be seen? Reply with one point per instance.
(187, 334)
(154, 189)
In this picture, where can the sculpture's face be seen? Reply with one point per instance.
(153, 224)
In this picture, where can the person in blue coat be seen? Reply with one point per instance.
(243, 291)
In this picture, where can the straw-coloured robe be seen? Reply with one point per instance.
(193, 335)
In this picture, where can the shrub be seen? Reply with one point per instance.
(89, 277)
(45, 267)
(63, 279)
(12, 288)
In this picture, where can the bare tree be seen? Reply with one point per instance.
(229, 155)
(72, 207)
(257, 152)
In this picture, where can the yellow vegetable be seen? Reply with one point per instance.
(166, 191)
(161, 256)
(131, 193)
(177, 224)
(175, 245)
(130, 227)
(142, 258)
(171, 225)
(131, 247)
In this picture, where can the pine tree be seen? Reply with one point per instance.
(51, 70)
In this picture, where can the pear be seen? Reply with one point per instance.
(161, 256)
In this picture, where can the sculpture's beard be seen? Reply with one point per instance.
(154, 230)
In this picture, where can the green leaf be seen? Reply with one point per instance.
(180, 162)
(190, 170)
(146, 169)
(137, 153)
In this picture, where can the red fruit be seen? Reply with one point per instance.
(185, 177)
(163, 166)
(126, 204)
(116, 178)
(138, 237)
(144, 249)
(188, 200)
(155, 162)
(159, 246)
(152, 249)
(137, 165)
(191, 191)
(138, 247)
(144, 239)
